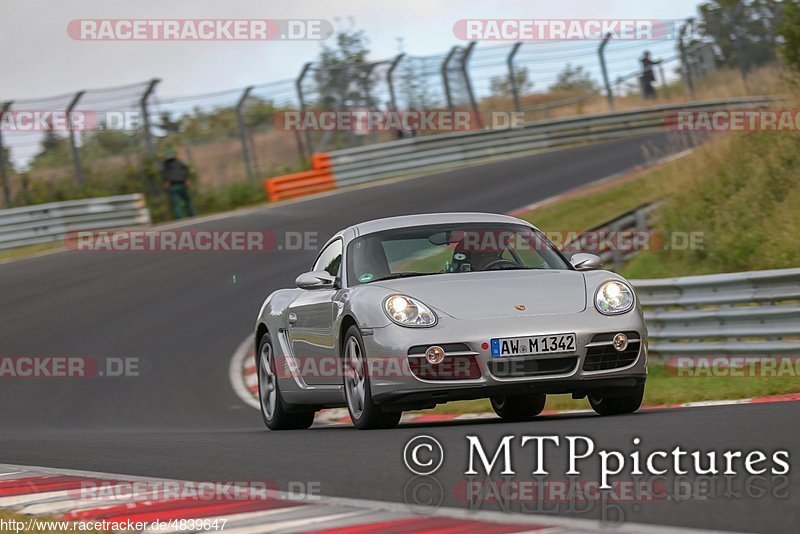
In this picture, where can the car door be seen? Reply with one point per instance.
(311, 318)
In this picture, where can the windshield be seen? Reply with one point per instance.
(443, 249)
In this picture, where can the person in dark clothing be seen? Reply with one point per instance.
(176, 182)
(648, 78)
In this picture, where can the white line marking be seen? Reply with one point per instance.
(400, 508)
(18, 500)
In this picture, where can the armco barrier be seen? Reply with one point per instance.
(430, 153)
(634, 220)
(753, 313)
(302, 183)
(44, 223)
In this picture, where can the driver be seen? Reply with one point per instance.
(475, 251)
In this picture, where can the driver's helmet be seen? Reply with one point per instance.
(477, 249)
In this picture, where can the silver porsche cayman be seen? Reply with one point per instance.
(407, 312)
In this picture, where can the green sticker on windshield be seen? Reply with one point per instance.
(366, 277)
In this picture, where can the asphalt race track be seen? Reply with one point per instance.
(184, 314)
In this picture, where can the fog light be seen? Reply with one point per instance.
(620, 342)
(434, 355)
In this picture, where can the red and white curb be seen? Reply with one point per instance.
(244, 380)
(57, 494)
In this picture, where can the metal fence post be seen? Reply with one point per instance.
(368, 94)
(446, 82)
(687, 71)
(148, 136)
(512, 76)
(390, 80)
(248, 166)
(601, 52)
(76, 157)
(367, 82)
(470, 93)
(299, 87)
(3, 165)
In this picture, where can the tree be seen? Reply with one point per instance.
(258, 113)
(107, 142)
(501, 85)
(790, 32)
(55, 151)
(341, 72)
(752, 21)
(574, 80)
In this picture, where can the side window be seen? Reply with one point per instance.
(330, 259)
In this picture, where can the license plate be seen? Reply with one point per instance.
(532, 345)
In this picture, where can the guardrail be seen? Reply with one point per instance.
(605, 239)
(447, 151)
(753, 313)
(45, 223)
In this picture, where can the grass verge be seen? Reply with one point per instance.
(31, 250)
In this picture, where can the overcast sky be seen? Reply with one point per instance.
(39, 58)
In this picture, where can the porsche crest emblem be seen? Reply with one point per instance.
(520, 307)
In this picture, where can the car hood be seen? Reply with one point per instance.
(493, 294)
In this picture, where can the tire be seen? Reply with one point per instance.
(518, 407)
(364, 412)
(276, 413)
(617, 404)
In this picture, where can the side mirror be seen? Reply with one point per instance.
(586, 262)
(315, 280)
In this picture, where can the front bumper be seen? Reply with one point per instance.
(407, 390)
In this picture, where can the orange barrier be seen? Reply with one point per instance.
(302, 183)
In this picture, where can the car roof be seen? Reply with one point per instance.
(405, 221)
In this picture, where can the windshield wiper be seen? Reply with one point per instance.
(400, 275)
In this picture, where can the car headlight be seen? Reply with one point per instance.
(614, 297)
(407, 311)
